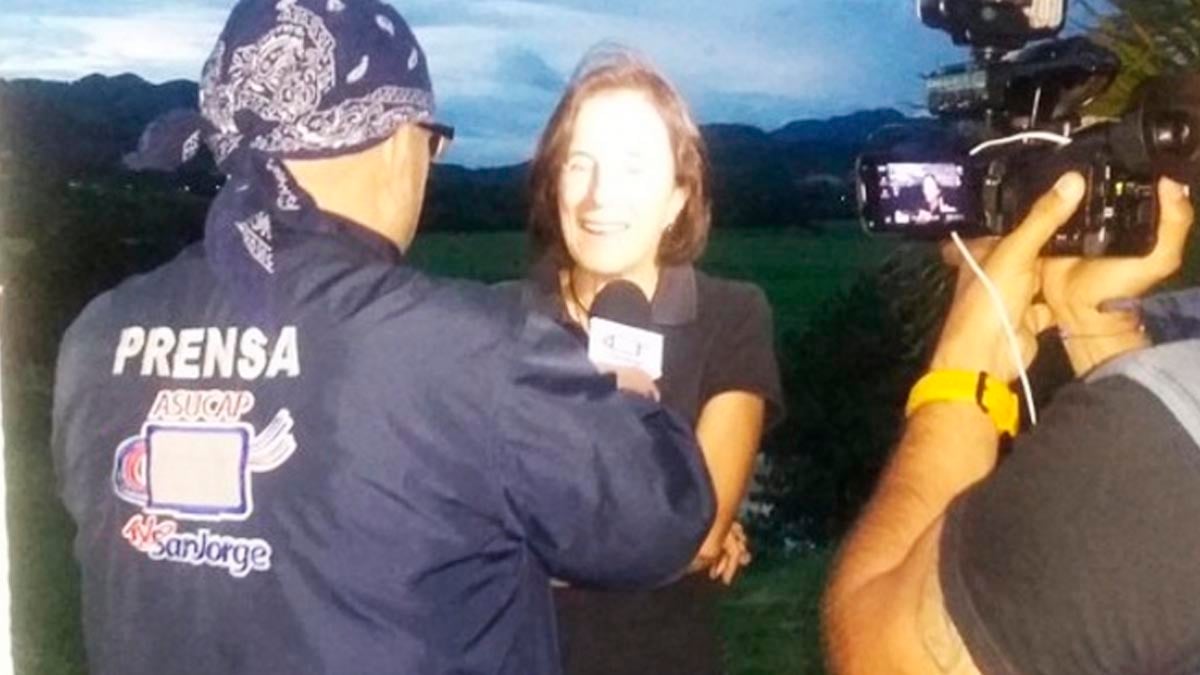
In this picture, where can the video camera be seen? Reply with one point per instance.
(1009, 123)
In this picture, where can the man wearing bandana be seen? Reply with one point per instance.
(287, 451)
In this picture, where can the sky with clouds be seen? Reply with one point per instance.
(498, 66)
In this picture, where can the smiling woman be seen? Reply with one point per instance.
(618, 181)
(618, 193)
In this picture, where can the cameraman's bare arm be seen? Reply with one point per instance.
(883, 611)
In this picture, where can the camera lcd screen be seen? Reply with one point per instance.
(918, 195)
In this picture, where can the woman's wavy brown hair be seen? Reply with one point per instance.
(608, 67)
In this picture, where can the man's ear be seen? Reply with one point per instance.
(401, 154)
(395, 149)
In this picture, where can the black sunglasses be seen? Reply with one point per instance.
(440, 136)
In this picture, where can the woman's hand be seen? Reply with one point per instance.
(735, 554)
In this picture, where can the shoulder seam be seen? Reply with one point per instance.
(1171, 373)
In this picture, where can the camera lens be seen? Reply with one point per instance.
(1171, 132)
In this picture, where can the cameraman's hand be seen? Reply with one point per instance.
(973, 338)
(1076, 288)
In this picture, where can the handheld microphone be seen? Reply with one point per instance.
(618, 330)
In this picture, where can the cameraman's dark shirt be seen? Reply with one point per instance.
(1081, 554)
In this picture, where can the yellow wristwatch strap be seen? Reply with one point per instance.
(991, 395)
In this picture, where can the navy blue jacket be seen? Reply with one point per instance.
(382, 480)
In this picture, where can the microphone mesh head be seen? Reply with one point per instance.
(622, 302)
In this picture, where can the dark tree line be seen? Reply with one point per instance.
(846, 378)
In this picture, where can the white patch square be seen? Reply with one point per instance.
(199, 472)
(616, 344)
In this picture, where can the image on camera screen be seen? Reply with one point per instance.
(912, 193)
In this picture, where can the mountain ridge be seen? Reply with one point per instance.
(789, 176)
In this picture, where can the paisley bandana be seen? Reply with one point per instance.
(288, 79)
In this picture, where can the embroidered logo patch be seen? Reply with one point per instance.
(195, 460)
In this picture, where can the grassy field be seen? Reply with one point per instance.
(799, 271)
(769, 618)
